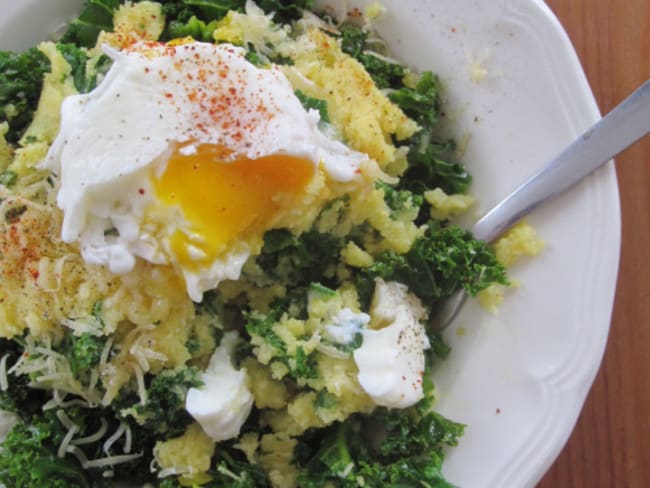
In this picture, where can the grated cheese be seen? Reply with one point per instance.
(112, 461)
(93, 437)
(65, 443)
(4, 380)
(112, 439)
(142, 390)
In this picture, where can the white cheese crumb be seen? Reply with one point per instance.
(391, 359)
(223, 403)
(346, 325)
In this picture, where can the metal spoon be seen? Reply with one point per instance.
(626, 124)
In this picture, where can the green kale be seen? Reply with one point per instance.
(230, 472)
(294, 303)
(384, 73)
(256, 58)
(298, 260)
(206, 10)
(83, 352)
(429, 167)
(285, 12)
(193, 344)
(421, 103)
(195, 28)
(391, 448)
(28, 457)
(444, 260)
(176, 11)
(439, 347)
(29, 454)
(211, 305)
(164, 410)
(353, 40)
(314, 103)
(305, 364)
(21, 80)
(96, 16)
(194, 17)
(77, 58)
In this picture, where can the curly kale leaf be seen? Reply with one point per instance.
(422, 103)
(21, 80)
(430, 168)
(28, 457)
(444, 260)
(84, 79)
(96, 16)
(298, 260)
(391, 448)
(194, 27)
(164, 411)
(205, 10)
(196, 17)
(29, 454)
(285, 12)
(229, 471)
(83, 351)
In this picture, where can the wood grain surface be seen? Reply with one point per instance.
(610, 446)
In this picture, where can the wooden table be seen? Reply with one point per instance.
(610, 446)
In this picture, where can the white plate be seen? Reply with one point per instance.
(517, 380)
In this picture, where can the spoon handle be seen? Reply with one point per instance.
(624, 125)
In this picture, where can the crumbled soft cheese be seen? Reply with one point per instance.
(391, 359)
(346, 325)
(224, 401)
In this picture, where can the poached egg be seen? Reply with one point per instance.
(185, 154)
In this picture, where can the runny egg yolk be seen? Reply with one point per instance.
(224, 200)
